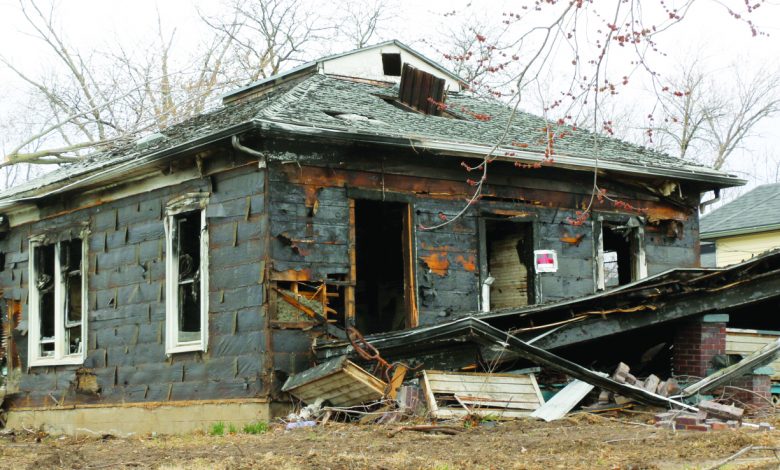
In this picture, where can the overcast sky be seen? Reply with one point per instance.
(707, 32)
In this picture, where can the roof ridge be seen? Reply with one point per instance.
(291, 96)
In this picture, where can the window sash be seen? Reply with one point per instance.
(61, 355)
(172, 308)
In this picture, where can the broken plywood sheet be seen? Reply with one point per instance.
(762, 356)
(746, 342)
(455, 394)
(564, 401)
(339, 382)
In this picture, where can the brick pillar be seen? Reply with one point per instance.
(696, 342)
(757, 389)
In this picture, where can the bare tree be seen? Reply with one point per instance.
(361, 24)
(708, 118)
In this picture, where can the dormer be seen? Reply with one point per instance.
(382, 62)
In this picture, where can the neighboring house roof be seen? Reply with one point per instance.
(755, 211)
(322, 106)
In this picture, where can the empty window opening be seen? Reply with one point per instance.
(621, 255)
(391, 64)
(509, 250)
(186, 274)
(57, 309)
(187, 251)
(382, 289)
(70, 265)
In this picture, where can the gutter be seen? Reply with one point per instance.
(443, 148)
(479, 151)
(120, 168)
(739, 231)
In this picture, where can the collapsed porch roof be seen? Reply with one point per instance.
(665, 297)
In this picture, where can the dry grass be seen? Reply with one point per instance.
(579, 441)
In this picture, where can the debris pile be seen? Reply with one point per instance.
(652, 383)
(363, 386)
(712, 416)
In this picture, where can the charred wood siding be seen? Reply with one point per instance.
(126, 350)
(447, 260)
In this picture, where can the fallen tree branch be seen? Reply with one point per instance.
(740, 452)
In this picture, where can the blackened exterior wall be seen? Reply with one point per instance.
(126, 345)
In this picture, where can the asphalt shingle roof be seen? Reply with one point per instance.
(317, 100)
(757, 209)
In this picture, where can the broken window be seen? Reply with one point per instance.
(391, 64)
(57, 310)
(508, 278)
(384, 288)
(620, 253)
(186, 270)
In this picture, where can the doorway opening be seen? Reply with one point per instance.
(621, 254)
(384, 281)
(509, 252)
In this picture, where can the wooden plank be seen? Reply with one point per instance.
(504, 398)
(451, 387)
(397, 380)
(490, 402)
(501, 414)
(563, 401)
(480, 380)
(492, 375)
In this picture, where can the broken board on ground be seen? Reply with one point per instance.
(455, 394)
(339, 382)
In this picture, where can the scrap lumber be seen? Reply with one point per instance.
(339, 382)
(481, 331)
(746, 342)
(563, 401)
(759, 358)
(456, 394)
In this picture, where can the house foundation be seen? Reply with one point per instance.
(144, 418)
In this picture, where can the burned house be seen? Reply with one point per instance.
(179, 279)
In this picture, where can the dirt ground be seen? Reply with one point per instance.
(623, 441)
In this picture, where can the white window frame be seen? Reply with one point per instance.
(192, 202)
(33, 306)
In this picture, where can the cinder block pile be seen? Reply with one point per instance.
(652, 383)
(712, 416)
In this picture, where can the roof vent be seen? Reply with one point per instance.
(421, 90)
(150, 140)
